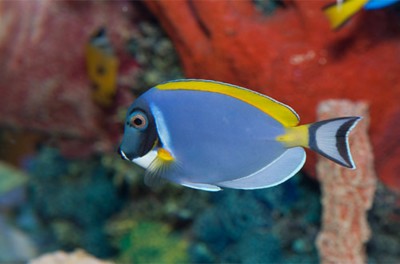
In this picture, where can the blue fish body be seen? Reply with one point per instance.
(210, 135)
(201, 131)
(376, 4)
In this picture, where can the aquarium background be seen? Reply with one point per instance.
(64, 190)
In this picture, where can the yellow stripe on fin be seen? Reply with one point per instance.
(281, 112)
(338, 14)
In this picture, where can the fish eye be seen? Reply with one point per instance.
(138, 120)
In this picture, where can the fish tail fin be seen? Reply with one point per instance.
(328, 138)
(339, 14)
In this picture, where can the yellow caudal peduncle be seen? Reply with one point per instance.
(295, 136)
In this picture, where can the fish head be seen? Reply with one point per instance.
(140, 133)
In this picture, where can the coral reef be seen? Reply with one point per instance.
(72, 200)
(347, 194)
(44, 83)
(292, 54)
(155, 55)
(262, 226)
(15, 245)
(57, 91)
(150, 242)
(159, 219)
(283, 48)
(384, 244)
(12, 185)
(100, 205)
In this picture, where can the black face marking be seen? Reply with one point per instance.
(140, 134)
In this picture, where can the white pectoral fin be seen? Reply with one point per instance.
(282, 169)
(159, 168)
(154, 177)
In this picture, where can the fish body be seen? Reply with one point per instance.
(102, 68)
(377, 4)
(339, 13)
(209, 135)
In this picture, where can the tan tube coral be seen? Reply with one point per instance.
(347, 195)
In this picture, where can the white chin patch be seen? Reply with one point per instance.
(146, 160)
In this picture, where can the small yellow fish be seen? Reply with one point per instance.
(102, 67)
(340, 12)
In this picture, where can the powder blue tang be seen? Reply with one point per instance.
(209, 135)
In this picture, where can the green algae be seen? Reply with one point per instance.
(10, 178)
(151, 242)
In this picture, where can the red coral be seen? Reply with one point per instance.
(43, 80)
(294, 57)
(347, 194)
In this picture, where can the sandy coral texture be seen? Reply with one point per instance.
(347, 194)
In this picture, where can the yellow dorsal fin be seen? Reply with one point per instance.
(281, 112)
(338, 14)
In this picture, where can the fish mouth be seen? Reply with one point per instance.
(122, 154)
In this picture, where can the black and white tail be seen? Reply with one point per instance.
(330, 139)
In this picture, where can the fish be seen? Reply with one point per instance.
(102, 68)
(211, 135)
(340, 12)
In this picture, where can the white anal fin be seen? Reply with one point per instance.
(202, 186)
(282, 169)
